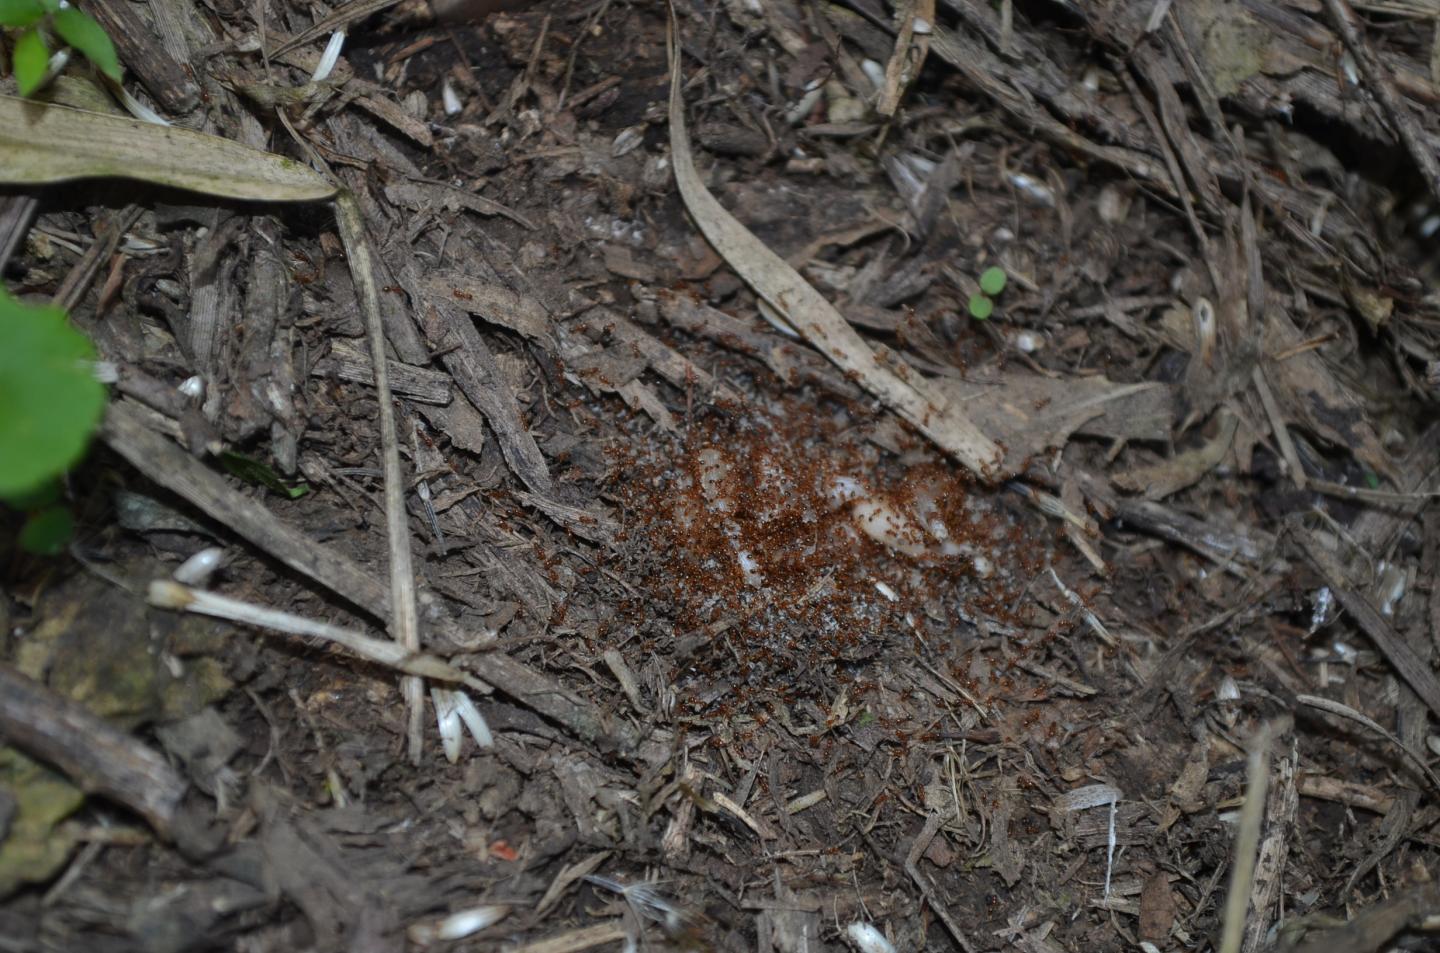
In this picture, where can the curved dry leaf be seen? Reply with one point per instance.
(1028, 414)
(41, 144)
(1168, 477)
(883, 374)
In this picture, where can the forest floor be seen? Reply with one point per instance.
(813, 589)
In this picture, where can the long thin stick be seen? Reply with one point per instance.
(1247, 835)
(404, 619)
(172, 595)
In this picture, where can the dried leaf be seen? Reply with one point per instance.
(816, 319)
(494, 303)
(1313, 395)
(41, 144)
(1157, 481)
(1028, 414)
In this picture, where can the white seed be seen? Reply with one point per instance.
(865, 938)
(197, 570)
(451, 733)
(329, 58)
(457, 925)
(474, 721)
(874, 72)
(1033, 189)
(449, 99)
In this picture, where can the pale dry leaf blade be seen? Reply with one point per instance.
(777, 283)
(43, 144)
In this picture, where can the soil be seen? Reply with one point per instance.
(762, 663)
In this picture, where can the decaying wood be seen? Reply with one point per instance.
(98, 757)
(161, 74)
(172, 468)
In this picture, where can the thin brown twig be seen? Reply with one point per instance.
(404, 619)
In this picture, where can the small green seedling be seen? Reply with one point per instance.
(50, 404)
(40, 22)
(992, 282)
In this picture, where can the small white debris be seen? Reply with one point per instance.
(922, 166)
(1391, 587)
(627, 141)
(1324, 605)
(1033, 189)
(1227, 698)
(1028, 341)
(867, 939)
(449, 99)
(884, 589)
(135, 107)
(329, 58)
(922, 26)
(457, 926)
(805, 105)
(1347, 65)
(453, 711)
(197, 570)
(1113, 205)
(192, 387)
(474, 721)
(775, 319)
(874, 72)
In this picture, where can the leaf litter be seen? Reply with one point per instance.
(815, 639)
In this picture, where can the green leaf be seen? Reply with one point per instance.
(36, 498)
(20, 13)
(50, 401)
(253, 471)
(981, 307)
(48, 532)
(82, 32)
(30, 59)
(992, 280)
